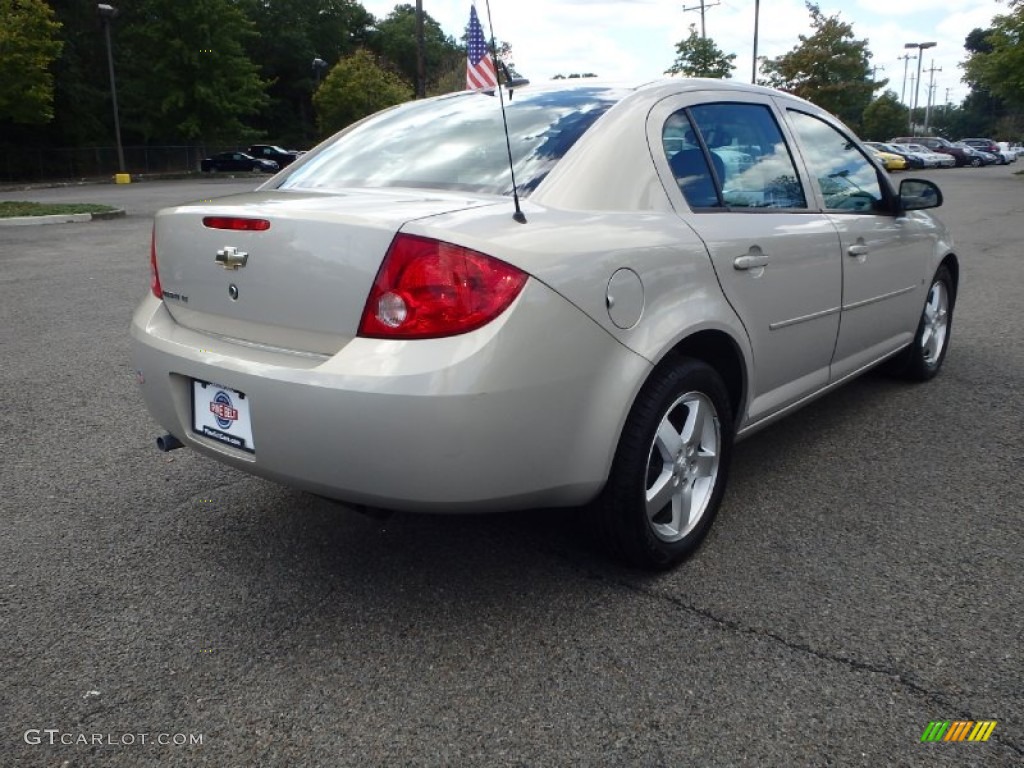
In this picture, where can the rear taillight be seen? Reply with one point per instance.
(236, 223)
(154, 274)
(427, 289)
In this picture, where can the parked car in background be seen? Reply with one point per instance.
(921, 155)
(910, 159)
(889, 160)
(387, 324)
(1016, 149)
(987, 145)
(1009, 155)
(976, 157)
(237, 161)
(937, 144)
(283, 157)
(932, 159)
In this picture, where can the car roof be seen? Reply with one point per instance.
(654, 89)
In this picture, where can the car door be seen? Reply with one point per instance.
(884, 254)
(730, 173)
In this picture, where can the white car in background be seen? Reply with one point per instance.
(934, 159)
(1009, 153)
(1016, 149)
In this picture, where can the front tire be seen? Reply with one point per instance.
(669, 472)
(923, 358)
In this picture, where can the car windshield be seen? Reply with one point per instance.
(458, 142)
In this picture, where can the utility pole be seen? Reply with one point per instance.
(701, 8)
(753, 70)
(910, 112)
(906, 60)
(931, 91)
(421, 76)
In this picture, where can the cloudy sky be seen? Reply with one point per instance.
(636, 38)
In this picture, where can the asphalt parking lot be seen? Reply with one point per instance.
(863, 578)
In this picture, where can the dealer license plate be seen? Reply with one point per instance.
(222, 414)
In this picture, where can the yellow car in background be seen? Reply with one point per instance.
(890, 161)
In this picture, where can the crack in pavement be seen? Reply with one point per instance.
(943, 699)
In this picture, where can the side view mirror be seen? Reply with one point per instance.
(916, 194)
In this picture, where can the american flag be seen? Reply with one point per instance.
(479, 66)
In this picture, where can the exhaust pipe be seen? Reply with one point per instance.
(168, 442)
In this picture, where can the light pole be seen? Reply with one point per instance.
(319, 65)
(920, 55)
(108, 12)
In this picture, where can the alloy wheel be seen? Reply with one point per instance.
(936, 323)
(682, 466)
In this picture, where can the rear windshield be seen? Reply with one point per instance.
(458, 142)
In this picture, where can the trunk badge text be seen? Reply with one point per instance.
(230, 257)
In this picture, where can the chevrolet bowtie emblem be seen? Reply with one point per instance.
(230, 257)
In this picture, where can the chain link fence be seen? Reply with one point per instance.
(62, 164)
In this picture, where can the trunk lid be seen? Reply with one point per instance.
(305, 279)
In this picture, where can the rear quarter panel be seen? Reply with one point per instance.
(576, 253)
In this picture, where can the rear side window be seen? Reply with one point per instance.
(744, 162)
(458, 142)
(848, 181)
(689, 163)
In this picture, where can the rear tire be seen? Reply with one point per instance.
(670, 469)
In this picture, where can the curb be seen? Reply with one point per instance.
(60, 218)
(137, 178)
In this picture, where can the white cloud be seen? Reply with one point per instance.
(635, 40)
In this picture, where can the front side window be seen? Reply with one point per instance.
(458, 142)
(848, 180)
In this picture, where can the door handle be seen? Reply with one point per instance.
(858, 250)
(750, 261)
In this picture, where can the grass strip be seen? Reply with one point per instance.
(10, 208)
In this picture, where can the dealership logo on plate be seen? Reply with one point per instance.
(223, 410)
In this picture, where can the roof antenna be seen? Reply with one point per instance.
(518, 215)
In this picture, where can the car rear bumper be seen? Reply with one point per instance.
(524, 412)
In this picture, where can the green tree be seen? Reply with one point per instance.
(884, 118)
(996, 62)
(698, 56)
(830, 68)
(186, 74)
(82, 109)
(290, 34)
(28, 47)
(358, 86)
(395, 40)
